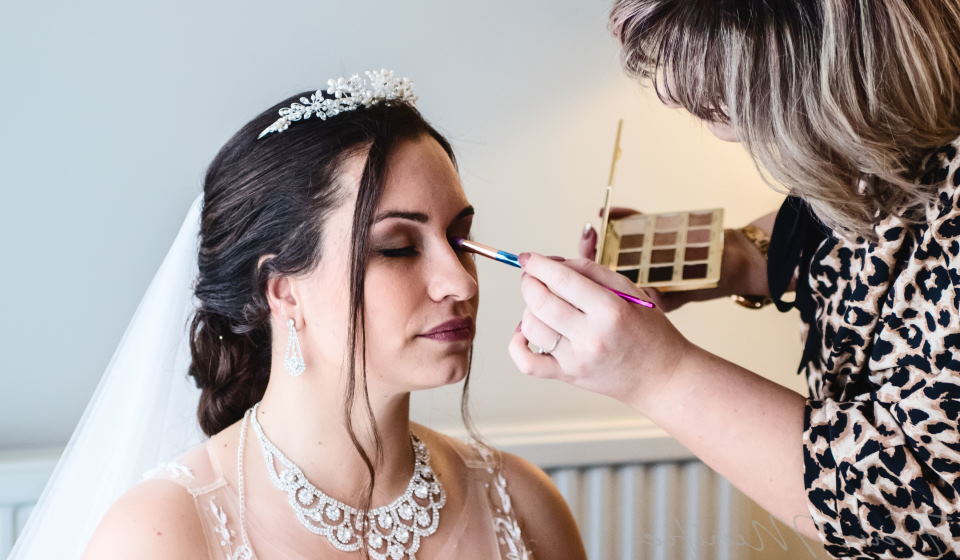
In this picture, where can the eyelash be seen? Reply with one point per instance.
(411, 251)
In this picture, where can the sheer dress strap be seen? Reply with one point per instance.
(199, 472)
(506, 525)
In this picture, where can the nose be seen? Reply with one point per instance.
(451, 274)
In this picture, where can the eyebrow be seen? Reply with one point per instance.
(420, 216)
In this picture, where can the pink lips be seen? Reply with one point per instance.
(457, 329)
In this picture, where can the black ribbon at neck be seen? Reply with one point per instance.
(797, 233)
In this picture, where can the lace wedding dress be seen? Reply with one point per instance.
(478, 521)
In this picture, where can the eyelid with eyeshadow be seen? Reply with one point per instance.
(410, 250)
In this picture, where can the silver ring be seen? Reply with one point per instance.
(555, 344)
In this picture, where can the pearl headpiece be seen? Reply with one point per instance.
(348, 94)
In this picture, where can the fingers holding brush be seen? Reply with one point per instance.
(609, 346)
(540, 363)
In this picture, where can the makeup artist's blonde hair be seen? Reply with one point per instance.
(828, 96)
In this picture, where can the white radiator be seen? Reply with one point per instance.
(657, 511)
(22, 477)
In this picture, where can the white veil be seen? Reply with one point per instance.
(142, 413)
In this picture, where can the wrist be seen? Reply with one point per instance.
(753, 289)
(744, 267)
(654, 401)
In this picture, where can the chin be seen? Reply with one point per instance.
(456, 375)
(419, 372)
(449, 376)
(438, 376)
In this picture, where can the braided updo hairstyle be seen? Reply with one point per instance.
(272, 196)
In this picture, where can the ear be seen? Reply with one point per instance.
(281, 295)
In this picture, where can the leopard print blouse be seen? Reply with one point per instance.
(881, 441)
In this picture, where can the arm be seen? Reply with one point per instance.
(547, 524)
(860, 476)
(833, 469)
(156, 519)
(701, 416)
(742, 425)
(755, 273)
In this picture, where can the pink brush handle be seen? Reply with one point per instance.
(633, 299)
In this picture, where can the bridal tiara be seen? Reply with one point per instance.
(348, 94)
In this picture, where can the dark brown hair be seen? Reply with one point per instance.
(271, 196)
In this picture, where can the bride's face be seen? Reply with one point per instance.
(416, 278)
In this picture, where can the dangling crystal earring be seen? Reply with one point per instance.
(293, 358)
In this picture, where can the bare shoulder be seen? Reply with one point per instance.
(548, 525)
(154, 519)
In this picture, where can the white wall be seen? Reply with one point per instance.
(112, 110)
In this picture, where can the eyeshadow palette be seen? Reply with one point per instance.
(670, 251)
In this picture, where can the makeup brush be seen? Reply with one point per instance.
(511, 259)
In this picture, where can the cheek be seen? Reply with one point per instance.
(391, 305)
(326, 301)
(329, 319)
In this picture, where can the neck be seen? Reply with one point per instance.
(304, 417)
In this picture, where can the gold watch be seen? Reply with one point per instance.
(762, 241)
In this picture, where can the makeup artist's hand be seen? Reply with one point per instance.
(734, 273)
(667, 301)
(608, 346)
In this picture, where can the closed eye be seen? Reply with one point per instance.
(409, 251)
